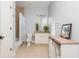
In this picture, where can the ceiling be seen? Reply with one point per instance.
(32, 3)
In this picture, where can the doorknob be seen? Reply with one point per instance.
(1, 37)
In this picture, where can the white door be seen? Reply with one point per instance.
(6, 29)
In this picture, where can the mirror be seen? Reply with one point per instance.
(66, 31)
(41, 22)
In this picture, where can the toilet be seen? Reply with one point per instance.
(28, 44)
(29, 37)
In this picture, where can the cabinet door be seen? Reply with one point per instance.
(52, 51)
(44, 38)
(37, 38)
(41, 38)
(57, 49)
(6, 28)
(70, 51)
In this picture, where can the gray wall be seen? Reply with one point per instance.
(30, 14)
(62, 13)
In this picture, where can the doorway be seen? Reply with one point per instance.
(20, 25)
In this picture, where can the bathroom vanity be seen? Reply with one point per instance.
(63, 48)
(41, 37)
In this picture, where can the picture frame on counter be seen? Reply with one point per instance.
(66, 30)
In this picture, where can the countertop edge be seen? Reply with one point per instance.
(63, 43)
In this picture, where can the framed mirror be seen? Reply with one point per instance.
(66, 31)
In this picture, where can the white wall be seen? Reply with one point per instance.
(22, 27)
(30, 14)
(65, 12)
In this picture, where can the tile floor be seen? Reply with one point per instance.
(33, 51)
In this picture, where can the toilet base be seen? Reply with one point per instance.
(28, 44)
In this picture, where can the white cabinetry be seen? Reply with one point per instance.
(70, 51)
(52, 51)
(63, 48)
(41, 38)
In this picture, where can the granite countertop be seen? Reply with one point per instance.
(61, 40)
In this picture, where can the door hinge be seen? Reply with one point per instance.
(10, 7)
(10, 49)
(10, 28)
